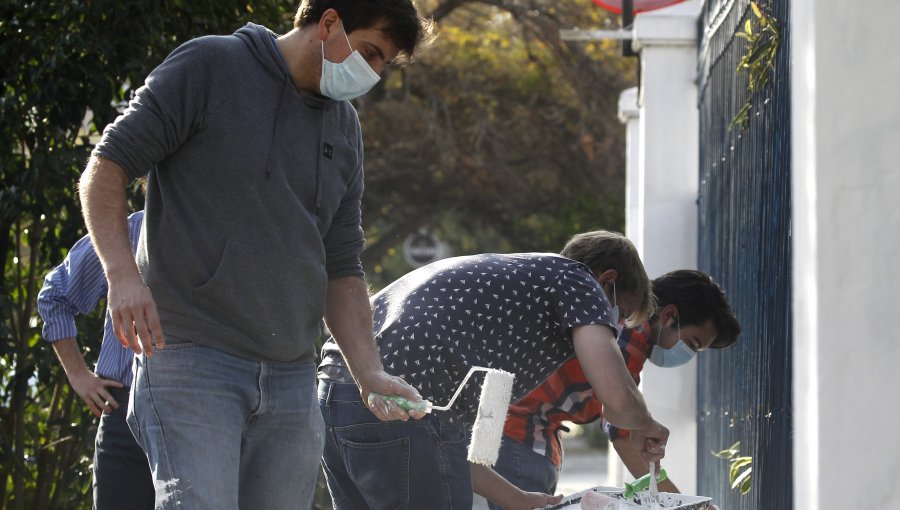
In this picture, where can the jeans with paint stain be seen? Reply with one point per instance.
(371, 464)
(224, 432)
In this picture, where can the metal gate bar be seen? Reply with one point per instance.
(744, 393)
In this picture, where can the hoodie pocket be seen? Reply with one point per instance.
(268, 297)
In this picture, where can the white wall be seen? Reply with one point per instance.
(846, 234)
(667, 177)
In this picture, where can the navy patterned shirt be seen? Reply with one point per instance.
(511, 312)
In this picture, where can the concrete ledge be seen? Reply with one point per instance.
(672, 26)
(628, 105)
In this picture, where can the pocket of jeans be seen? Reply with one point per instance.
(380, 471)
(264, 295)
(130, 416)
(448, 434)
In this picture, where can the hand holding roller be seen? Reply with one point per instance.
(493, 403)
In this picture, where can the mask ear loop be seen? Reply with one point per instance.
(661, 326)
(658, 334)
(615, 301)
(347, 37)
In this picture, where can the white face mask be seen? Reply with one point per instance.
(675, 356)
(348, 79)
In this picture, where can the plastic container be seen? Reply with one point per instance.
(640, 500)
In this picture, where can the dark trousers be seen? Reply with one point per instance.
(371, 464)
(122, 478)
(525, 468)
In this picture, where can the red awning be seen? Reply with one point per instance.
(639, 5)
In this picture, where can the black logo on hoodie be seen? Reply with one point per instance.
(327, 150)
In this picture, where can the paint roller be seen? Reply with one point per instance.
(496, 391)
(596, 501)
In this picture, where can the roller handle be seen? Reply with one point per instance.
(643, 483)
(423, 406)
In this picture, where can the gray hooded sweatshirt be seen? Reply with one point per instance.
(253, 198)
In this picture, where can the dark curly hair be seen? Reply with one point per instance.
(698, 298)
(405, 28)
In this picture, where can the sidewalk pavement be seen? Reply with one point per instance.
(583, 467)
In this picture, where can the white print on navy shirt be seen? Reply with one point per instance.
(510, 312)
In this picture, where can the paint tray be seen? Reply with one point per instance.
(641, 500)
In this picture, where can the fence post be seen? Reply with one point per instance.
(667, 180)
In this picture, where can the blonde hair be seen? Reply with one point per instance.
(602, 250)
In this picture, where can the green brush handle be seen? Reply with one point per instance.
(423, 406)
(642, 483)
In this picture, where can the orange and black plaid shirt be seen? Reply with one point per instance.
(536, 420)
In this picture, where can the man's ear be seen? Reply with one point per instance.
(328, 22)
(607, 276)
(668, 312)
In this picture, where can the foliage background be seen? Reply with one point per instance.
(501, 138)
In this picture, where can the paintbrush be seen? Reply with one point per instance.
(654, 491)
(643, 483)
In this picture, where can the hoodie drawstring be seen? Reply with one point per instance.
(282, 105)
(319, 172)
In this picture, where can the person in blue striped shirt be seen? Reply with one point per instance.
(122, 477)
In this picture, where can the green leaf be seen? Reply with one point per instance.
(761, 50)
(740, 119)
(740, 462)
(756, 10)
(743, 481)
(729, 452)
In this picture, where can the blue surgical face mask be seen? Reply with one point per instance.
(348, 79)
(675, 356)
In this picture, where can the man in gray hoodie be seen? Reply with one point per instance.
(251, 236)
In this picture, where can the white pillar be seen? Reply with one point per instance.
(629, 114)
(846, 253)
(669, 172)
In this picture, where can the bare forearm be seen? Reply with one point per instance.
(102, 190)
(602, 363)
(70, 357)
(636, 465)
(493, 487)
(349, 318)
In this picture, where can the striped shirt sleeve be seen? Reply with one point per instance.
(71, 288)
(76, 286)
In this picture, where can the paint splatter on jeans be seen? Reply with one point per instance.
(227, 432)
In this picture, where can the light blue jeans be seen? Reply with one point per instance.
(224, 432)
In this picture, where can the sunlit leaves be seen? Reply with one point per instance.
(740, 468)
(759, 60)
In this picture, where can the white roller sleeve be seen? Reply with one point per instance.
(492, 407)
